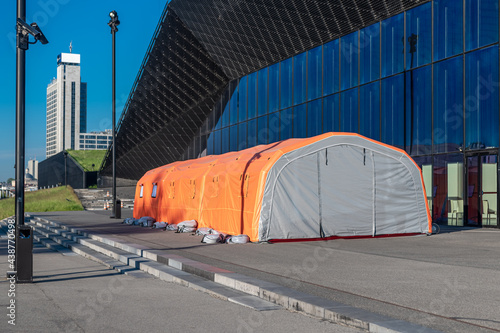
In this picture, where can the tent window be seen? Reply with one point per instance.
(153, 195)
(171, 190)
(214, 187)
(142, 191)
(244, 186)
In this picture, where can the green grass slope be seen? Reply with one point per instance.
(56, 199)
(88, 157)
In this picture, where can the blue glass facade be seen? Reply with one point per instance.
(425, 80)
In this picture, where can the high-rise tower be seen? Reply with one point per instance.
(66, 106)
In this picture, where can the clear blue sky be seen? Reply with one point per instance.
(85, 24)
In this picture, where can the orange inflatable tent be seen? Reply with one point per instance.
(331, 185)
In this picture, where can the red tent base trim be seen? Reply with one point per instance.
(340, 237)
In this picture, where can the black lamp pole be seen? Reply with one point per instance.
(113, 23)
(22, 46)
(412, 41)
(24, 240)
(413, 48)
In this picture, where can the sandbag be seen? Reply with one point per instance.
(146, 221)
(213, 238)
(129, 220)
(159, 225)
(240, 239)
(184, 229)
(188, 224)
(205, 231)
(172, 227)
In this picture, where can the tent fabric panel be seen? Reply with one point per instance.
(295, 201)
(347, 191)
(231, 189)
(397, 211)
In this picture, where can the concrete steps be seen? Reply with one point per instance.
(257, 294)
(129, 260)
(96, 199)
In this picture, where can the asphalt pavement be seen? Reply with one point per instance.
(72, 294)
(448, 282)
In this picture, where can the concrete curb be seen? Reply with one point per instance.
(258, 294)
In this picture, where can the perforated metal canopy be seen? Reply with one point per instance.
(200, 45)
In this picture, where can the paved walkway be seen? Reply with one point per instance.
(448, 282)
(71, 294)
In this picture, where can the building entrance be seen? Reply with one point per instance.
(481, 190)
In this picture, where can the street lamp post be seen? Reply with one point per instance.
(65, 168)
(113, 24)
(24, 252)
(412, 41)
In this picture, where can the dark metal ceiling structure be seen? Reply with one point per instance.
(200, 45)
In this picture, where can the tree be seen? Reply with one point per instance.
(9, 181)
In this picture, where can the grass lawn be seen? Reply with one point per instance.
(56, 199)
(88, 157)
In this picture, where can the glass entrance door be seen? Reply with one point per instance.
(482, 190)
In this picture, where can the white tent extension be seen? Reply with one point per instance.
(344, 185)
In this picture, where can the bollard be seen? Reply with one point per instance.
(118, 209)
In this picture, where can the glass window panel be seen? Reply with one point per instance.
(448, 28)
(262, 130)
(218, 113)
(225, 111)
(314, 72)
(331, 67)
(274, 127)
(274, 89)
(233, 103)
(392, 45)
(242, 136)
(252, 133)
(370, 110)
(349, 111)
(263, 92)
(392, 111)
(300, 78)
(210, 144)
(369, 47)
(419, 31)
(481, 23)
(225, 140)
(481, 102)
(233, 138)
(331, 113)
(314, 118)
(252, 95)
(153, 194)
(300, 121)
(448, 105)
(286, 83)
(420, 124)
(349, 60)
(286, 124)
(447, 189)
(217, 142)
(242, 99)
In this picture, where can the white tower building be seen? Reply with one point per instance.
(66, 106)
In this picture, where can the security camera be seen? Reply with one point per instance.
(41, 36)
(33, 30)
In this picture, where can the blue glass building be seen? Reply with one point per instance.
(425, 80)
(416, 74)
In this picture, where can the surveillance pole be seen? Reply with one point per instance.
(24, 238)
(19, 164)
(20, 146)
(113, 23)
